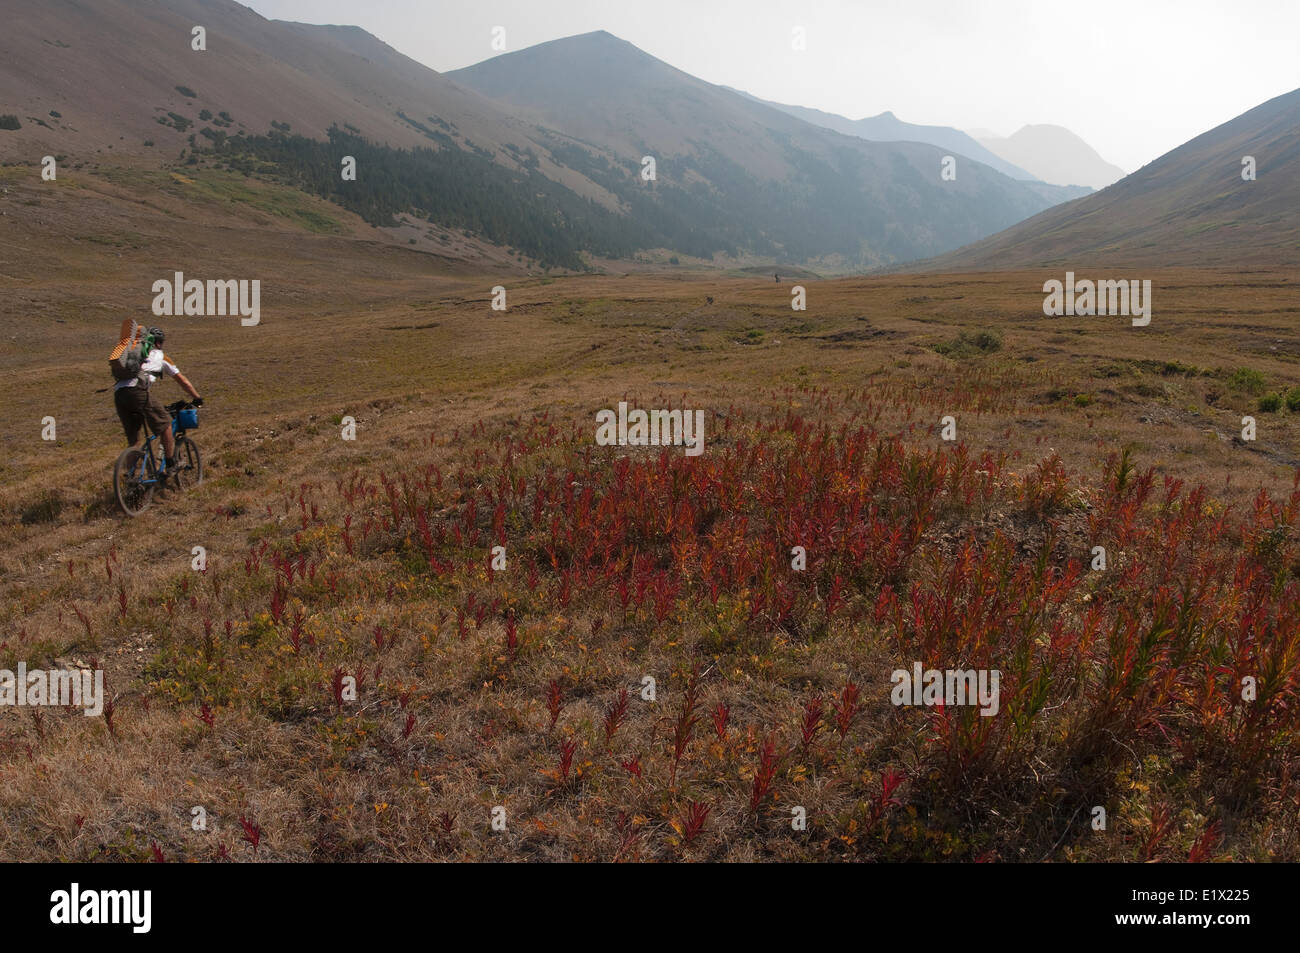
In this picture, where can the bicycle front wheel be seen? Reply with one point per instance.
(129, 473)
(189, 465)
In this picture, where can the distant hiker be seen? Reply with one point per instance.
(133, 396)
(777, 277)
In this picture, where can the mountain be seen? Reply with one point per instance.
(1055, 154)
(118, 82)
(115, 69)
(737, 176)
(537, 153)
(1189, 207)
(889, 128)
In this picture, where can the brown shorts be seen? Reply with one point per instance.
(137, 405)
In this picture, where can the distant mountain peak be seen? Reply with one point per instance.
(1055, 154)
(595, 40)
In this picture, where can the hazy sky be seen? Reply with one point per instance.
(1135, 78)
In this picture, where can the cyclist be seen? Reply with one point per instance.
(136, 402)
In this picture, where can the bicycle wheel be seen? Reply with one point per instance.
(189, 465)
(132, 467)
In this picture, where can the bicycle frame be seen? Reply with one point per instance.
(150, 461)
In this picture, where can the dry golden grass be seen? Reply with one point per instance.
(412, 350)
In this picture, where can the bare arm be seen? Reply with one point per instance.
(186, 385)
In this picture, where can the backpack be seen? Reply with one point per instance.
(130, 354)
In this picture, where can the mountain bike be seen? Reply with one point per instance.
(138, 472)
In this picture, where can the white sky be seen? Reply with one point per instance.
(1134, 78)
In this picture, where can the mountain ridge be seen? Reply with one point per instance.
(549, 164)
(1189, 207)
(887, 127)
(624, 103)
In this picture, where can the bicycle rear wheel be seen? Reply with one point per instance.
(133, 466)
(189, 465)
